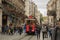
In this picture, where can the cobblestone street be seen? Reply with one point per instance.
(9, 37)
(21, 37)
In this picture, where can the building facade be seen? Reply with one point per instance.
(45, 20)
(32, 8)
(58, 9)
(27, 7)
(37, 15)
(12, 11)
(51, 12)
(53, 9)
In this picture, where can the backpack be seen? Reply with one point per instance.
(44, 29)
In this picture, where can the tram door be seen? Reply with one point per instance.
(4, 19)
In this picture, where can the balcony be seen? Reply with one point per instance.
(9, 8)
(51, 13)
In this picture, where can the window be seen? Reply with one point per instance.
(0, 5)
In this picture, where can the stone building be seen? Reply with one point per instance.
(27, 7)
(12, 11)
(37, 15)
(58, 9)
(32, 8)
(51, 12)
(53, 9)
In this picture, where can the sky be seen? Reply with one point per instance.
(42, 6)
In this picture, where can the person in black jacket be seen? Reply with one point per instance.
(38, 29)
(20, 30)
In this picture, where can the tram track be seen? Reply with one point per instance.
(26, 37)
(23, 37)
(30, 37)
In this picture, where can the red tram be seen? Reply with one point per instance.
(30, 26)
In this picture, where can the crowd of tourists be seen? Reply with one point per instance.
(52, 30)
(11, 30)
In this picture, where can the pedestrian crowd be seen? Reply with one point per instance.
(11, 30)
(44, 28)
(50, 30)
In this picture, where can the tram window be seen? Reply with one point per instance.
(28, 21)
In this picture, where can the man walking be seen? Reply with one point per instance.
(52, 33)
(38, 29)
(20, 30)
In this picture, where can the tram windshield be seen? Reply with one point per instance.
(30, 21)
